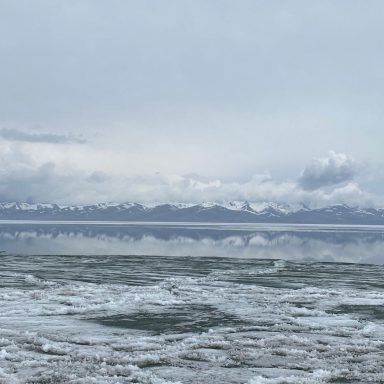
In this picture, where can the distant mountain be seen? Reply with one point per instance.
(240, 212)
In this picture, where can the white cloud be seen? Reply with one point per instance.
(335, 169)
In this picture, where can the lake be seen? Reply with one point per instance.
(191, 303)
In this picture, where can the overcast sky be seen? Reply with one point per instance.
(190, 100)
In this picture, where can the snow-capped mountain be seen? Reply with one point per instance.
(236, 211)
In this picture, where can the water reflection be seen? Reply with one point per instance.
(289, 242)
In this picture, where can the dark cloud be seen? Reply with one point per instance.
(335, 169)
(52, 138)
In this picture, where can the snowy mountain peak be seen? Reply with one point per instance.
(235, 211)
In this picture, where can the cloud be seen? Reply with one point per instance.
(195, 86)
(25, 178)
(51, 138)
(335, 169)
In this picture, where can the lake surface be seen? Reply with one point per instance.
(352, 244)
(191, 303)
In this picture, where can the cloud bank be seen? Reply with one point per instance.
(331, 181)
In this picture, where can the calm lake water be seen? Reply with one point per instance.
(191, 303)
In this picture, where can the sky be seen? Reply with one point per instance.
(191, 101)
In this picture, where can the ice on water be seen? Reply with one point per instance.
(119, 319)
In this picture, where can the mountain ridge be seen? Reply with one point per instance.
(236, 211)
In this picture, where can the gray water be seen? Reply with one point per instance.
(123, 303)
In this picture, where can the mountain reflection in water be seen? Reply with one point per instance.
(290, 242)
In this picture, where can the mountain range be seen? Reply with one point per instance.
(231, 212)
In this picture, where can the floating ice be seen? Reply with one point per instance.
(178, 320)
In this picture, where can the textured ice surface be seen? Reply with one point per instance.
(111, 319)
